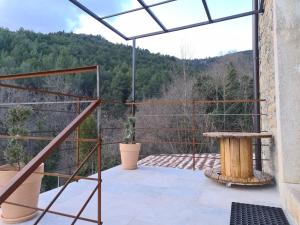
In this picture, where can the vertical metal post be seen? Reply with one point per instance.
(99, 107)
(256, 84)
(194, 131)
(99, 153)
(133, 76)
(78, 136)
(133, 83)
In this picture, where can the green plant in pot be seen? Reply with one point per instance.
(129, 150)
(17, 157)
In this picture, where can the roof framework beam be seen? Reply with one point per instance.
(206, 10)
(197, 24)
(154, 17)
(149, 11)
(92, 14)
(137, 9)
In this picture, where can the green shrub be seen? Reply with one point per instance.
(129, 131)
(15, 153)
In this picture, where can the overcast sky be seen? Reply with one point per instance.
(57, 15)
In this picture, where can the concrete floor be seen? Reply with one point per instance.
(156, 196)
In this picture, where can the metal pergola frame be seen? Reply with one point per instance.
(257, 8)
(163, 30)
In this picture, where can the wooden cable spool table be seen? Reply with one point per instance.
(237, 159)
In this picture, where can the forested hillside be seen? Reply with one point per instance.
(158, 76)
(26, 51)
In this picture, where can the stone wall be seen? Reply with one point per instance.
(267, 86)
(280, 82)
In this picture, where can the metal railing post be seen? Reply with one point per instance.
(257, 128)
(133, 94)
(194, 131)
(78, 135)
(99, 158)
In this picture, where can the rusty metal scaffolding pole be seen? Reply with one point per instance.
(44, 91)
(256, 90)
(48, 73)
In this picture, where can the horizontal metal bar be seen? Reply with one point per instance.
(197, 24)
(52, 212)
(181, 101)
(76, 178)
(149, 11)
(43, 110)
(45, 91)
(95, 16)
(171, 142)
(191, 102)
(189, 155)
(198, 114)
(156, 128)
(26, 171)
(39, 138)
(45, 103)
(112, 143)
(137, 9)
(149, 128)
(48, 73)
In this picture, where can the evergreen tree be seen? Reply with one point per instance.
(88, 129)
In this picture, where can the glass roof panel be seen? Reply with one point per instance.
(225, 8)
(135, 23)
(180, 13)
(105, 7)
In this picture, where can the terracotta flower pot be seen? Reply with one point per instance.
(129, 155)
(27, 194)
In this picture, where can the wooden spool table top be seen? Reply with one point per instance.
(237, 135)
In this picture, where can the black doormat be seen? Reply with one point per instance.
(247, 214)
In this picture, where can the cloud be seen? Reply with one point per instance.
(202, 42)
(48, 15)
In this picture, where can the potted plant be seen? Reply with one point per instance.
(129, 149)
(16, 156)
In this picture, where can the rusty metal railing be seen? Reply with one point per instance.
(30, 168)
(55, 142)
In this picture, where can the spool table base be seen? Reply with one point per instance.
(259, 178)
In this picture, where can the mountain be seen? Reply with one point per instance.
(26, 51)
